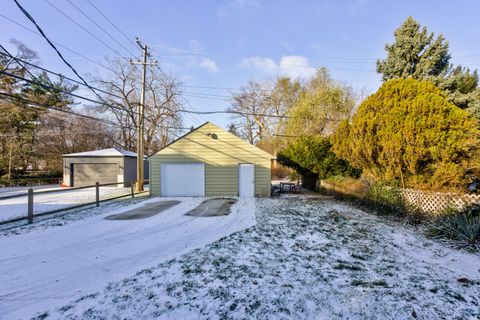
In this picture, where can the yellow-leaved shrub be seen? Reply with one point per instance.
(408, 133)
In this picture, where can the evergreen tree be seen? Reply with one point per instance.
(20, 122)
(419, 54)
(409, 133)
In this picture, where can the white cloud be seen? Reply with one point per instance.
(265, 65)
(209, 65)
(296, 67)
(243, 6)
(292, 66)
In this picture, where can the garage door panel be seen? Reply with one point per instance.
(89, 173)
(182, 179)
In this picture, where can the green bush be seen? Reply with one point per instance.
(313, 159)
(408, 133)
(462, 227)
(386, 198)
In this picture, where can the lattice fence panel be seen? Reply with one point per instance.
(429, 202)
(436, 202)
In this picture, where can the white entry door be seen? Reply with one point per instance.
(182, 179)
(246, 180)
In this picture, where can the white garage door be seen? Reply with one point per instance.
(182, 179)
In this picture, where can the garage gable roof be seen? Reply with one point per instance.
(110, 152)
(259, 151)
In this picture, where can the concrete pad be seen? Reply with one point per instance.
(213, 207)
(145, 211)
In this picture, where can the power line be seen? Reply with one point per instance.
(208, 94)
(62, 91)
(195, 118)
(206, 97)
(58, 43)
(179, 110)
(35, 103)
(297, 65)
(233, 112)
(48, 107)
(82, 27)
(55, 133)
(100, 27)
(53, 72)
(31, 74)
(248, 114)
(115, 26)
(184, 53)
(211, 87)
(25, 12)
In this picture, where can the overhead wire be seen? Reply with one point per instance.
(49, 107)
(55, 73)
(248, 114)
(193, 94)
(48, 87)
(27, 14)
(58, 43)
(100, 27)
(13, 97)
(113, 24)
(193, 108)
(81, 27)
(41, 33)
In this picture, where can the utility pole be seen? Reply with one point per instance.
(141, 115)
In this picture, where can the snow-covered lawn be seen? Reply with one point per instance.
(17, 207)
(304, 259)
(49, 266)
(22, 189)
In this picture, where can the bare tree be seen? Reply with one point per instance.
(61, 134)
(162, 120)
(261, 108)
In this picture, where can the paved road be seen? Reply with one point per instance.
(44, 269)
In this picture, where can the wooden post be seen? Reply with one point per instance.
(97, 194)
(132, 188)
(30, 205)
(10, 165)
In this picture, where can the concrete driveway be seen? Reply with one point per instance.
(46, 268)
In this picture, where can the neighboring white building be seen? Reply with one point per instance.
(104, 166)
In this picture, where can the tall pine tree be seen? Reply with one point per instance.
(418, 54)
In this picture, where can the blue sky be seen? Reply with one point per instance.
(227, 43)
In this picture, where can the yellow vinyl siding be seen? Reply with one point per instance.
(221, 156)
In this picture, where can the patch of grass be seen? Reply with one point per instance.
(380, 283)
(456, 296)
(461, 227)
(376, 283)
(65, 308)
(219, 261)
(358, 257)
(345, 266)
(88, 296)
(41, 316)
(377, 198)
